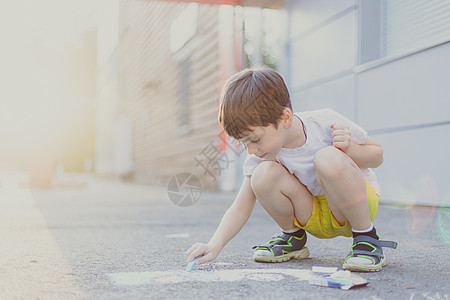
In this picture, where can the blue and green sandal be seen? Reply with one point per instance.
(365, 260)
(282, 247)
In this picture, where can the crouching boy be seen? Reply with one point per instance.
(309, 170)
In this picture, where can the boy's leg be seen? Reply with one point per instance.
(345, 190)
(344, 186)
(284, 198)
(281, 195)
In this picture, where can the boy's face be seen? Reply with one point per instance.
(264, 142)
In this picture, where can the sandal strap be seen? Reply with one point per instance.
(376, 253)
(277, 237)
(266, 246)
(283, 242)
(375, 242)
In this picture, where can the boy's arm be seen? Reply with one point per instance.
(232, 222)
(367, 155)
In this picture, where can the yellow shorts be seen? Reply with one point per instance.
(322, 223)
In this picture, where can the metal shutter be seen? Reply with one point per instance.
(415, 24)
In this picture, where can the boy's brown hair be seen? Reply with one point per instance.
(252, 97)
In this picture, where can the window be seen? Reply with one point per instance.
(390, 28)
(263, 31)
(183, 32)
(412, 25)
(183, 94)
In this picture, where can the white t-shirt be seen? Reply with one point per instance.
(299, 161)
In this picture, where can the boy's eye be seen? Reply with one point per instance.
(256, 141)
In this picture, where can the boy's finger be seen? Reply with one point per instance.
(340, 145)
(337, 132)
(341, 132)
(189, 251)
(189, 254)
(340, 138)
(194, 254)
(336, 127)
(205, 258)
(190, 257)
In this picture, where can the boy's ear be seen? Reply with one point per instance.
(286, 118)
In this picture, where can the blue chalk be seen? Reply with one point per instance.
(192, 264)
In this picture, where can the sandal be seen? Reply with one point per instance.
(365, 260)
(282, 247)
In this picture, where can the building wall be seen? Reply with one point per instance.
(403, 102)
(148, 93)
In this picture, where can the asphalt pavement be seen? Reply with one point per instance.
(90, 238)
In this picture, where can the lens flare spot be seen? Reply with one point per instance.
(424, 193)
(443, 220)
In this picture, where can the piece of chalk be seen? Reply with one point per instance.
(192, 264)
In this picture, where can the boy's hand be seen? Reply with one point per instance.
(207, 251)
(341, 136)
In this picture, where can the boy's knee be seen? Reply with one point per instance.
(330, 161)
(265, 174)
